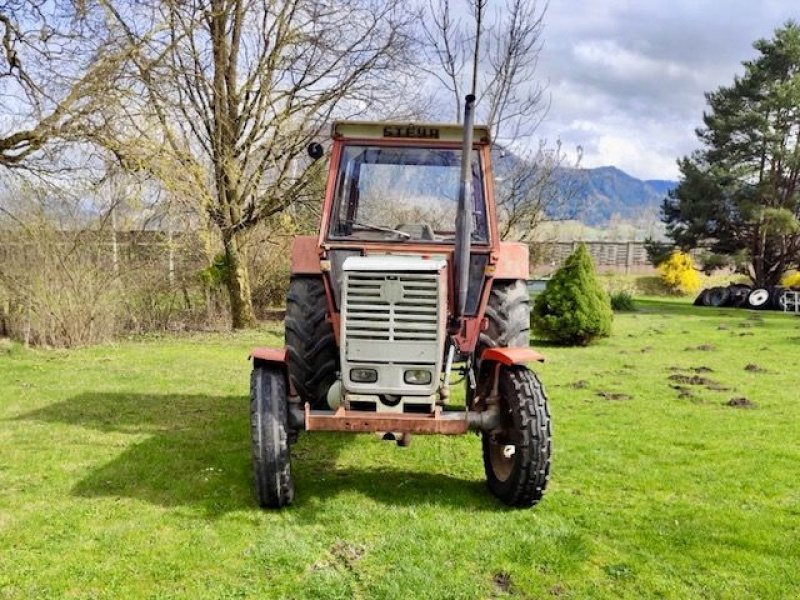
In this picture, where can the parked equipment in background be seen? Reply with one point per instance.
(740, 295)
(406, 287)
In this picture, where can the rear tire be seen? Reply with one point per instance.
(509, 315)
(516, 455)
(269, 431)
(701, 298)
(313, 356)
(759, 299)
(739, 293)
(717, 297)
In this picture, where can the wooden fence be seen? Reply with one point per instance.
(184, 249)
(624, 257)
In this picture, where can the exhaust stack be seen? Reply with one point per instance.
(465, 208)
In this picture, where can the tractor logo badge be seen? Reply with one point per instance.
(392, 291)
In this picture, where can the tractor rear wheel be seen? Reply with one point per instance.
(509, 315)
(269, 431)
(313, 356)
(516, 455)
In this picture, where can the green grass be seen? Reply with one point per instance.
(125, 473)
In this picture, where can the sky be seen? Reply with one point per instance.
(626, 78)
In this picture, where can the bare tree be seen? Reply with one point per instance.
(493, 52)
(227, 94)
(55, 70)
(537, 189)
(495, 57)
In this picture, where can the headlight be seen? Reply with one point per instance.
(364, 375)
(417, 376)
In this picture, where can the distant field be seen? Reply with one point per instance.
(125, 473)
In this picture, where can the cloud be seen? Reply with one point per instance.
(627, 78)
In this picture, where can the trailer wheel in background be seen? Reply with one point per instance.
(758, 299)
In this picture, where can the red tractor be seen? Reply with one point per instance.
(406, 281)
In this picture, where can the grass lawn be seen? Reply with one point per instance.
(125, 473)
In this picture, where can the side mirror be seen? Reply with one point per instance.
(315, 150)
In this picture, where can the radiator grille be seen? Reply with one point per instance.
(392, 308)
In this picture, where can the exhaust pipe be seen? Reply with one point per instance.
(465, 208)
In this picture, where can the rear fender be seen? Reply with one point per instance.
(269, 356)
(511, 356)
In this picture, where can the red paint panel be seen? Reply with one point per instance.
(512, 261)
(305, 255)
(272, 355)
(512, 356)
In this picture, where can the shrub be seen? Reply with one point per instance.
(791, 280)
(573, 309)
(679, 275)
(622, 302)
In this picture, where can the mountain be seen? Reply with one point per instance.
(594, 196)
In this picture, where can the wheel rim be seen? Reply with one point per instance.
(759, 297)
(501, 457)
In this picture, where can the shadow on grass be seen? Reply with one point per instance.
(196, 453)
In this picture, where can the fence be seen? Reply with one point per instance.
(624, 257)
(182, 251)
(121, 251)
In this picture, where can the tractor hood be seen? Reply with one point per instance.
(392, 263)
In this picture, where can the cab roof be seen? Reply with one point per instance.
(447, 132)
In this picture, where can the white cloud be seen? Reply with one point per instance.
(627, 77)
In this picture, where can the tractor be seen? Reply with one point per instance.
(406, 282)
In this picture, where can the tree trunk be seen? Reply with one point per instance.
(238, 284)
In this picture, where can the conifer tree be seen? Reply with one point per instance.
(573, 309)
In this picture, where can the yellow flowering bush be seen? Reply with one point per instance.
(791, 280)
(679, 274)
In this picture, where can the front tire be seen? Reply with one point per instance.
(516, 455)
(269, 430)
(313, 356)
(508, 316)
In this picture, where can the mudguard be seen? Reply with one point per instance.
(276, 356)
(511, 356)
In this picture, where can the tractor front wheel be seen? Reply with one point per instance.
(516, 455)
(269, 430)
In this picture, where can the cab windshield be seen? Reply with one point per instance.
(403, 194)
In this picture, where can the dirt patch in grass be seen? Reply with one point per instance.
(684, 393)
(700, 369)
(613, 395)
(502, 581)
(741, 403)
(702, 348)
(581, 384)
(646, 349)
(682, 378)
(694, 380)
(755, 368)
(342, 555)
